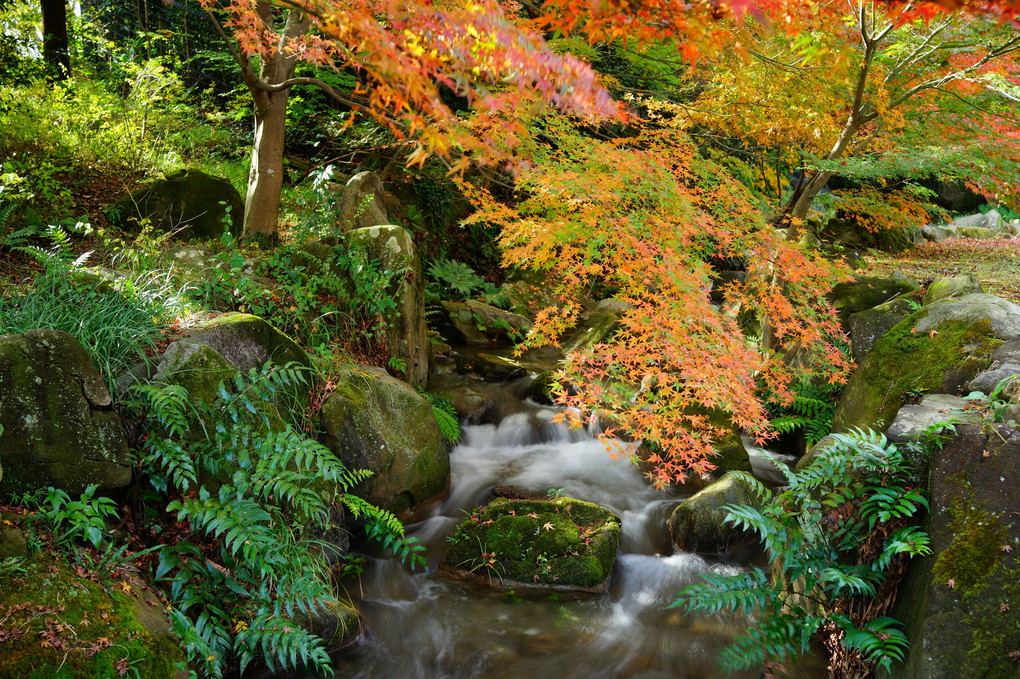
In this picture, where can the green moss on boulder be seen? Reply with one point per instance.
(867, 292)
(562, 543)
(72, 628)
(188, 200)
(59, 427)
(938, 348)
(951, 286)
(376, 422)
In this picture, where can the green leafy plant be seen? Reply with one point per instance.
(452, 280)
(82, 519)
(811, 411)
(446, 416)
(257, 495)
(831, 536)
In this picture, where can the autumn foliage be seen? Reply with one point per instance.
(649, 220)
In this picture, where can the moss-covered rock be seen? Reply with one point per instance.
(543, 388)
(951, 286)
(188, 200)
(376, 422)
(867, 292)
(868, 325)
(404, 333)
(961, 605)
(562, 544)
(58, 424)
(67, 627)
(598, 326)
(489, 367)
(246, 341)
(478, 324)
(361, 202)
(938, 348)
(696, 525)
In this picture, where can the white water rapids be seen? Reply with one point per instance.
(430, 625)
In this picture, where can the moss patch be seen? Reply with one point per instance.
(978, 536)
(561, 543)
(904, 363)
(60, 626)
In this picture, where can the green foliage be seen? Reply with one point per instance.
(811, 410)
(256, 493)
(71, 520)
(855, 493)
(446, 416)
(117, 321)
(452, 280)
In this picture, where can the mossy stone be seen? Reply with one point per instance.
(951, 286)
(403, 327)
(479, 324)
(94, 632)
(869, 325)
(377, 422)
(598, 327)
(247, 341)
(866, 292)
(697, 524)
(189, 200)
(560, 544)
(961, 604)
(920, 354)
(59, 427)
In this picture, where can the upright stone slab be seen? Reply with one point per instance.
(361, 202)
(961, 605)
(59, 427)
(404, 331)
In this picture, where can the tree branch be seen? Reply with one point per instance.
(247, 74)
(291, 82)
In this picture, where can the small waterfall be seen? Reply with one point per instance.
(429, 625)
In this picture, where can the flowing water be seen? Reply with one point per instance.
(432, 625)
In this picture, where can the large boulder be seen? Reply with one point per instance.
(937, 349)
(360, 202)
(951, 286)
(1005, 365)
(696, 525)
(58, 424)
(189, 201)
(479, 324)
(867, 292)
(376, 422)
(558, 544)
(404, 326)
(961, 604)
(63, 626)
(868, 325)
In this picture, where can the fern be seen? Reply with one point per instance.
(813, 532)
(446, 416)
(254, 493)
(810, 412)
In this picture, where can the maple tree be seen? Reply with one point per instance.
(404, 54)
(647, 218)
(871, 96)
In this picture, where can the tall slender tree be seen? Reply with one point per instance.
(55, 43)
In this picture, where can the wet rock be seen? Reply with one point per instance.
(377, 422)
(868, 325)
(598, 327)
(951, 286)
(98, 629)
(987, 381)
(478, 324)
(696, 525)
(823, 444)
(58, 425)
(543, 388)
(557, 544)
(187, 201)
(937, 349)
(960, 605)
(867, 292)
(403, 327)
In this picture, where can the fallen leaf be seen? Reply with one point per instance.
(548, 526)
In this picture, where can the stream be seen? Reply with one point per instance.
(429, 624)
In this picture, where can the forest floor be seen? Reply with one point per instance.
(995, 262)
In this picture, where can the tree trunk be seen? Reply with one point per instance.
(270, 92)
(55, 44)
(265, 179)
